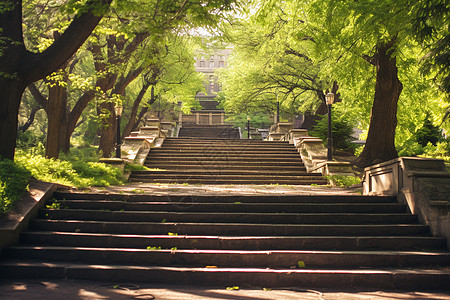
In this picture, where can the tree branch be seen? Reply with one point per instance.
(35, 66)
(37, 95)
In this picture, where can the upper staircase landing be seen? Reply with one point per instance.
(225, 161)
(209, 131)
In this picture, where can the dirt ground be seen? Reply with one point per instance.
(74, 289)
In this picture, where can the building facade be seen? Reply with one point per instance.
(207, 64)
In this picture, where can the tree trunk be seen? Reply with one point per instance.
(380, 144)
(64, 134)
(19, 67)
(11, 91)
(30, 120)
(56, 110)
(132, 121)
(108, 128)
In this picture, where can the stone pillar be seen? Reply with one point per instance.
(180, 118)
(197, 118)
(210, 118)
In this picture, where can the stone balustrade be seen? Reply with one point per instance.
(421, 183)
(314, 154)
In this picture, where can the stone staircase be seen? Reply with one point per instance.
(225, 161)
(209, 131)
(260, 241)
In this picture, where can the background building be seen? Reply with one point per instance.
(207, 64)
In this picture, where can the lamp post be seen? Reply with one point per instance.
(118, 110)
(278, 110)
(329, 98)
(248, 127)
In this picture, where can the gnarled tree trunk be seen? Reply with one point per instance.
(380, 144)
(20, 67)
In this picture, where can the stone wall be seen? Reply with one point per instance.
(423, 184)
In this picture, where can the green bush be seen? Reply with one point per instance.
(428, 133)
(440, 151)
(13, 182)
(343, 181)
(409, 147)
(28, 139)
(342, 130)
(75, 170)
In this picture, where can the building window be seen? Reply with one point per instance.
(221, 64)
(202, 63)
(211, 64)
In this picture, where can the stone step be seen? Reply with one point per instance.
(227, 145)
(338, 243)
(231, 258)
(256, 277)
(222, 156)
(116, 214)
(219, 168)
(206, 176)
(228, 229)
(216, 172)
(225, 164)
(190, 205)
(196, 139)
(200, 142)
(237, 158)
(225, 198)
(229, 181)
(223, 151)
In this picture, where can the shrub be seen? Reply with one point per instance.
(79, 171)
(13, 182)
(342, 130)
(428, 133)
(441, 150)
(343, 181)
(28, 139)
(409, 147)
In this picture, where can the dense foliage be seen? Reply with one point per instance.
(294, 51)
(342, 132)
(140, 54)
(13, 183)
(78, 169)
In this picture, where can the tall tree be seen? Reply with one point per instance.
(352, 35)
(270, 63)
(20, 67)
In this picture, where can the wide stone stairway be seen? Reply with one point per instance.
(231, 240)
(225, 161)
(209, 131)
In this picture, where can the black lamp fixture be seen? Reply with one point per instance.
(248, 127)
(329, 99)
(118, 109)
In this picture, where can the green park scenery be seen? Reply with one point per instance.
(65, 65)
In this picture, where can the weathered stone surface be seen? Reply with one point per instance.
(423, 184)
(134, 146)
(275, 136)
(150, 131)
(26, 208)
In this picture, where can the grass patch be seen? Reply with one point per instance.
(135, 167)
(13, 183)
(343, 181)
(79, 169)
